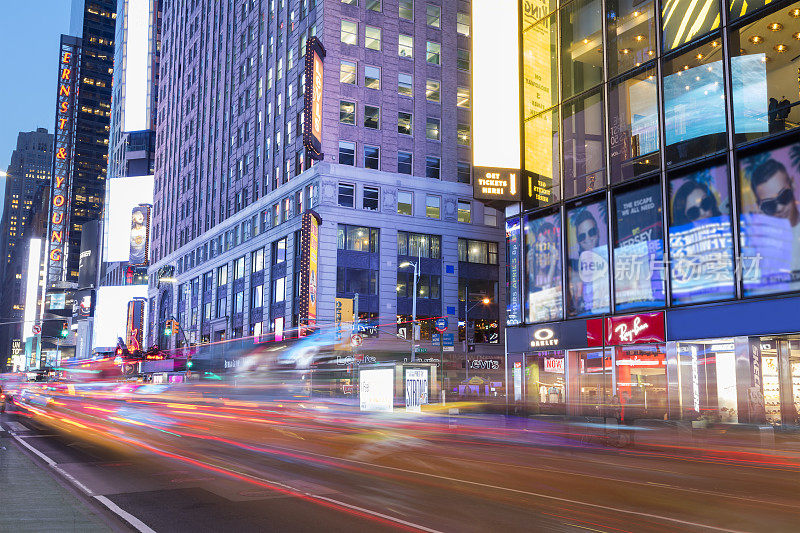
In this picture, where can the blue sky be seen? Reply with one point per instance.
(29, 37)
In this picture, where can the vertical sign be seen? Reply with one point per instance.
(343, 322)
(416, 388)
(312, 108)
(134, 331)
(87, 264)
(140, 235)
(513, 252)
(309, 246)
(62, 158)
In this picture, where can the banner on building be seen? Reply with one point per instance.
(309, 248)
(90, 246)
(312, 110)
(134, 331)
(343, 322)
(140, 235)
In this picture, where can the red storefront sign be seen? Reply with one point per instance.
(635, 329)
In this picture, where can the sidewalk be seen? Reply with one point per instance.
(32, 499)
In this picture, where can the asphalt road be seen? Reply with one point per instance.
(292, 470)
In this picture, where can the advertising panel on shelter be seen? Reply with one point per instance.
(700, 238)
(769, 185)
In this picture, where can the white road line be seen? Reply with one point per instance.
(126, 516)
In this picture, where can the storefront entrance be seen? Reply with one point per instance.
(780, 377)
(544, 383)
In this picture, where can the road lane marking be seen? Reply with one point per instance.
(126, 516)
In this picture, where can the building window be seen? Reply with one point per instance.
(419, 245)
(405, 46)
(372, 117)
(432, 128)
(349, 33)
(405, 204)
(464, 172)
(372, 77)
(357, 238)
(279, 251)
(374, 5)
(347, 112)
(462, 24)
(238, 268)
(434, 14)
(489, 216)
(347, 195)
(432, 92)
(222, 275)
(462, 97)
(371, 157)
(462, 136)
(347, 153)
(372, 39)
(464, 211)
(404, 123)
(257, 297)
(279, 290)
(432, 167)
(404, 162)
(480, 252)
(407, 9)
(222, 307)
(347, 72)
(257, 260)
(462, 59)
(370, 199)
(405, 84)
(433, 52)
(433, 206)
(356, 281)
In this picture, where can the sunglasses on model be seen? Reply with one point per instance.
(706, 204)
(770, 205)
(591, 233)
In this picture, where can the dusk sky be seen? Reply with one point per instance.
(29, 37)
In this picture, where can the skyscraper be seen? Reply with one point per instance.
(234, 176)
(83, 109)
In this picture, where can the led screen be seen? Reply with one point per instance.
(770, 220)
(376, 389)
(137, 66)
(123, 194)
(111, 313)
(693, 103)
(639, 249)
(543, 293)
(495, 84)
(751, 103)
(513, 252)
(587, 255)
(700, 238)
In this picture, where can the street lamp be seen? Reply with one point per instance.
(484, 301)
(406, 264)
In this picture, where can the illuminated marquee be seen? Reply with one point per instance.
(312, 108)
(309, 248)
(62, 159)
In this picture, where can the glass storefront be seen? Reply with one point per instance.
(780, 377)
(707, 379)
(545, 382)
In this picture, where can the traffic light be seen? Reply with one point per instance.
(64, 329)
(170, 327)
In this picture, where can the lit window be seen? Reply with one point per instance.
(347, 72)
(405, 203)
(347, 112)
(349, 33)
(434, 16)
(432, 129)
(407, 9)
(432, 91)
(372, 39)
(462, 24)
(405, 46)
(464, 211)
(433, 51)
(462, 97)
(404, 123)
(374, 5)
(463, 135)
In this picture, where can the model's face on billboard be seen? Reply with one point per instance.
(699, 205)
(587, 235)
(776, 197)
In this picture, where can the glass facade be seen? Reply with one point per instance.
(665, 135)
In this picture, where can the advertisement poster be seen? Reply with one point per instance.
(770, 221)
(312, 114)
(543, 298)
(416, 389)
(134, 331)
(343, 322)
(513, 252)
(700, 238)
(587, 255)
(140, 232)
(376, 389)
(639, 249)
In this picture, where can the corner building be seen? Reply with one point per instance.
(232, 176)
(654, 250)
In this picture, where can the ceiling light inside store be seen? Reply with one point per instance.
(780, 48)
(756, 39)
(640, 37)
(637, 13)
(795, 13)
(775, 26)
(699, 56)
(625, 51)
(714, 44)
(796, 35)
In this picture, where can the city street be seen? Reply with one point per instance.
(304, 469)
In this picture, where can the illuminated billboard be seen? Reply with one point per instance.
(140, 235)
(111, 313)
(31, 286)
(376, 389)
(312, 109)
(123, 197)
(496, 115)
(309, 249)
(134, 330)
(138, 20)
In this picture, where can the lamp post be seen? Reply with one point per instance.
(484, 301)
(406, 264)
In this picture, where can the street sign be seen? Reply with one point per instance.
(356, 340)
(441, 324)
(37, 329)
(449, 339)
(420, 350)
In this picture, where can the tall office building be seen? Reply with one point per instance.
(654, 247)
(234, 171)
(28, 176)
(83, 108)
